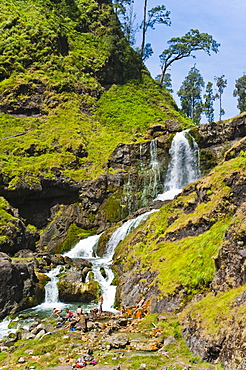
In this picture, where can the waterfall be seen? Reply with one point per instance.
(151, 175)
(183, 167)
(155, 168)
(4, 330)
(86, 249)
(51, 292)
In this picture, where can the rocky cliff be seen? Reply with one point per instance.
(189, 258)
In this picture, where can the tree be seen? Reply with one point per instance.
(183, 47)
(240, 92)
(208, 108)
(221, 84)
(124, 10)
(190, 94)
(156, 15)
(167, 82)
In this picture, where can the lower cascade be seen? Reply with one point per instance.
(86, 248)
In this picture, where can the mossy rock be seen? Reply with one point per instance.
(208, 160)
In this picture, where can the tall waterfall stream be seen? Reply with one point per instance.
(182, 170)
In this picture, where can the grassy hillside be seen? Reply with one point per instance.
(74, 88)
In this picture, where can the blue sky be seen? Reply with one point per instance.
(225, 21)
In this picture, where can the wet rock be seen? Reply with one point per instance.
(81, 263)
(73, 289)
(57, 259)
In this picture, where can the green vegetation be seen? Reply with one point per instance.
(171, 247)
(216, 312)
(56, 58)
(74, 234)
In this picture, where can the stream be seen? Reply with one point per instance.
(182, 170)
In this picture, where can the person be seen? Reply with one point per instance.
(123, 310)
(79, 310)
(72, 322)
(82, 323)
(69, 314)
(100, 304)
(56, 311)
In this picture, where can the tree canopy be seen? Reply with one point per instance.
(208, 108)
(240, 92)
(183, 47)
(156, 15)
(221, 83)
(190, 94)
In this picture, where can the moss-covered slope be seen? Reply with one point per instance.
(56, 59)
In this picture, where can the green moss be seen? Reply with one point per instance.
(112, 209)
(134, 107)
(74, 234)
(217, 312)
(208, 160)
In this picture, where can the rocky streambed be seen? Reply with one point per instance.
(110, 341)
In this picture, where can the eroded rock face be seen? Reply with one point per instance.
(17, 237)
(227, 347)
(218, 133)
(231, 260)
(19, 286)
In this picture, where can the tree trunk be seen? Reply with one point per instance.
(144, 28)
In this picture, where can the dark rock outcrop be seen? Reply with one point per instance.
(17, 237)
(231, 260)
(20, 286)
(213, 134)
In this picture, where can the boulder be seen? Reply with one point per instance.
(81, 263)
(172, 126)
(118, 340)
(21, 287)
(73, 289)
(144, 345)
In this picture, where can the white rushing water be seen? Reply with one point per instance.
(51, 292)
(4, 330)
(183, 167)
(86, 249)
